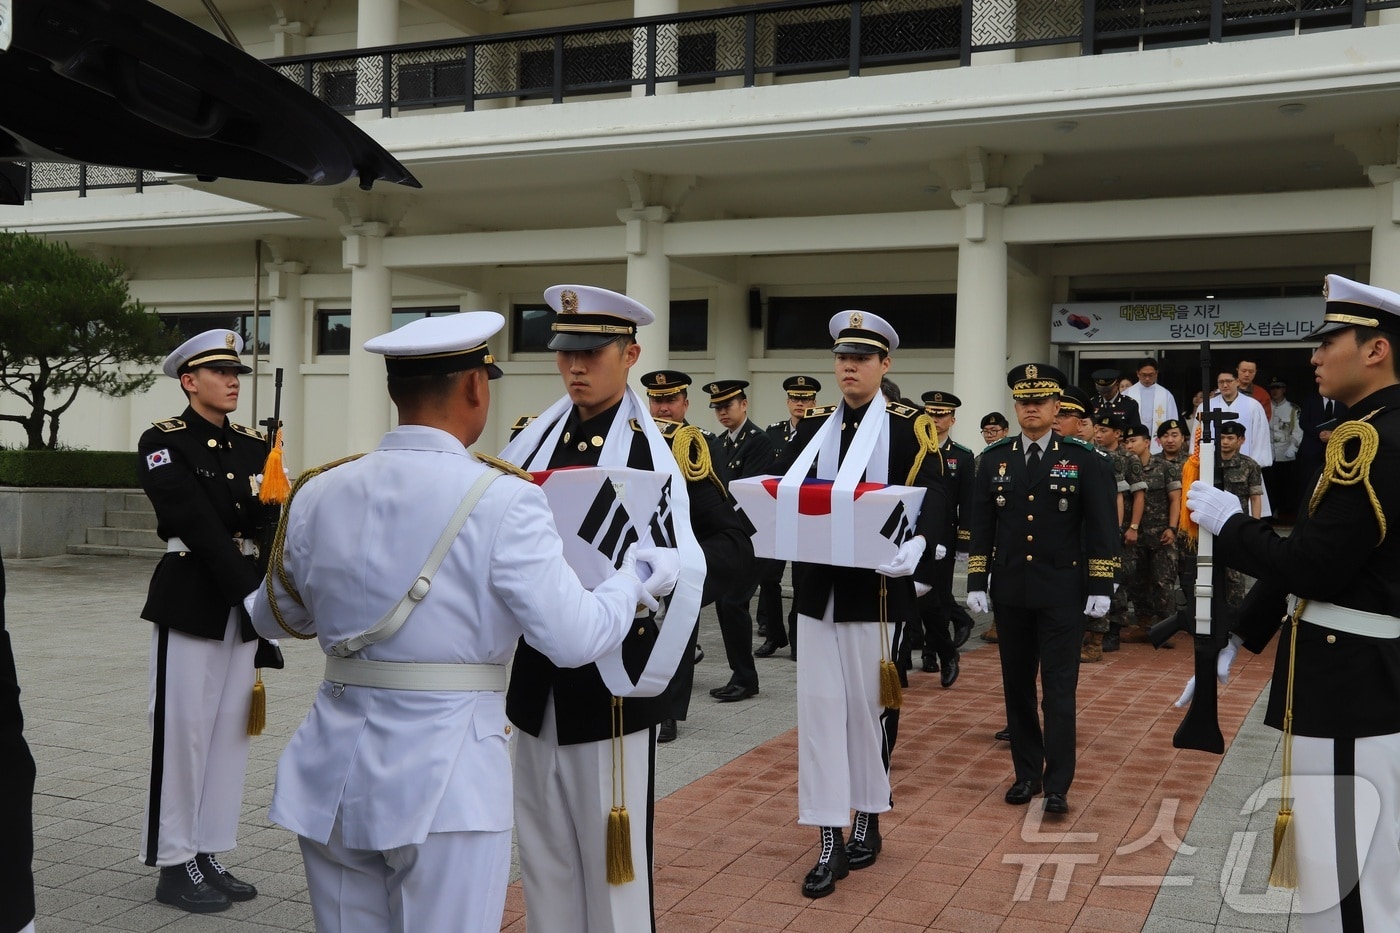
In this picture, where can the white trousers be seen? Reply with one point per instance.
(450, 882)
(839, 738)
(201, 690)
(1348, 828)
(563, 795)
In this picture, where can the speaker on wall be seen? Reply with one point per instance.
(756, 308)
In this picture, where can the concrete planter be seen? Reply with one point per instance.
(43, 521)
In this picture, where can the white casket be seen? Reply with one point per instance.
(878, 520)
(599, 511)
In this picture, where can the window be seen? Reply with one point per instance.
(338, 89)
(185, 326)
(922, 321)
(333, 326)
(690, 327)
(597, 67)
(432, 81)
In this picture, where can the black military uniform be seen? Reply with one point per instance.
(16, 794)
(203, 479)
(748, 452)
(937, 608)
(1035, 527)
(1340, 646)
(770, 578)
(1117, 403)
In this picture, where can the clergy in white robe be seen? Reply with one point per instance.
(1155, 404)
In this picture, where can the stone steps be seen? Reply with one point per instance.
(128, 528)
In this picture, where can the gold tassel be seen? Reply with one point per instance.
(257, 710)
(1283, 872)
(891, 693)
(1190, 473)
(274, 489)
(620, 870)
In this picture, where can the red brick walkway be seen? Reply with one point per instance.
(730, 855)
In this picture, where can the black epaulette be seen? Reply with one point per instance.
(1000, 443)
(775, 426)
(668, 428)
(901, 410)
(505, 466)
(821, 412)
(522, 422)
(249, 432)
(170, 424)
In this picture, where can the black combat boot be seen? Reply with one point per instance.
(184, 886)
(865, 841)
(1110, 640)
(831, 865)
(218, 876)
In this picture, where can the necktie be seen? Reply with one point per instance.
(1033, 459)
(1327, 407)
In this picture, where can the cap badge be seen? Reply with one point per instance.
(1032, 372)
(568, 301)
(938, 396)
(857, 319)
(1325, 287)
(802, 380)
(661, 379)
(228, 340)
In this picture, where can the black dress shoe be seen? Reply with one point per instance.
(184, 886)
(792, 652)
(735, 692)
(699, 654)
(831, 866)
(930, 665)
(1003, 735)
(1022, 791)
(1056, 803)
(768, 649)
(950, 672)
(218, 876)
(961, 633)
(865, 843)
(666, 732)
(716, 691)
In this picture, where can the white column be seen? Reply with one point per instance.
(649, 281)
(729, 323)
(376, 24)
(1385, 235)
(666, 45)
(288, 330)
(1028, 318)
(371, 305)
(979, 362)
(288, 39)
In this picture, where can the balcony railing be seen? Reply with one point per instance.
(743, 45)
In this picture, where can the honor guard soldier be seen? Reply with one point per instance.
(668, 397)
(415, 671)
(842, 610)
(744, 451)
(581, 746)
(937, 608)
(1332, 589)
(801, 394)
(1109, 399)
(1042, 513)
(202, 474)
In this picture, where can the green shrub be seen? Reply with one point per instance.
(101, 469)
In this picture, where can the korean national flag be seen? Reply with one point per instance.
(158, 459)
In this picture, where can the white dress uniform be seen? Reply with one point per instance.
(402, 797)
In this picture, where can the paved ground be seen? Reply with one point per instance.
(1156, 839)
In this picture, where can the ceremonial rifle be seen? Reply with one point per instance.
(1200, 727)
(271, 492)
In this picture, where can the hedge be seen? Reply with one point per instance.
(102, 469)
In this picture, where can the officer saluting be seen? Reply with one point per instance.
(202, 474)
(1337, 671)
(1042, 512)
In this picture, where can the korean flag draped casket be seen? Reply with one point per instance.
(862, 528)
(600, 511)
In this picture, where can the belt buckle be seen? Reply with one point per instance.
(336, 690)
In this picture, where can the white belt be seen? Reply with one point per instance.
(246, 546)
(1352, 621)
(412, 675)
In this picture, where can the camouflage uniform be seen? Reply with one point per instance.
(1127, 471)
(1152, 585)
(1185, 548)
(1242, 476)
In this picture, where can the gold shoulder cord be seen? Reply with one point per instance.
(1340, 470)
(279, 540)
(693, 456)
(927, 435)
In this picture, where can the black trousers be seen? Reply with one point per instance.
(678, 694)
(770, 601)
(1047, 641)
(937, 611)
(736, 628)
(16, 794)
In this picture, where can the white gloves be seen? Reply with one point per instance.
(1096, 607)
(1222, 670)
(939, 552)
(922, 589)
(1211, 508)
(663, 568)
(977, 601)
(960, 557)
(907, 559)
